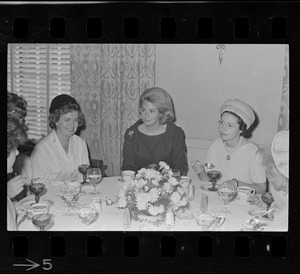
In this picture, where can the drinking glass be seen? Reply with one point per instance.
(226, 195)
(94, 175)
(268, 199)
(42, 220)
(37, 189)
(87, 214)
(214, 175)
(83, 170)
(68, 194)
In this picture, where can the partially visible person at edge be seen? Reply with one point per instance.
(155, 137)
(16, 135)
(232, 153)
(57, 156)
(16, 108)
(275, 159)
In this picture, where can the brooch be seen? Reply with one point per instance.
(130, 133)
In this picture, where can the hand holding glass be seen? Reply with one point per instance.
(94, 175)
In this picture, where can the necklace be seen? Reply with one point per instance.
(228, 157)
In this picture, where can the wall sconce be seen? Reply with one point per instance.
(221, 47)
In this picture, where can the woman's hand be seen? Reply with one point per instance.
(15, 186)
(197, 166)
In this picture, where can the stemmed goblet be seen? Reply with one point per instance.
(94, 175)
(68, 194)
(214, 175)
(37, 189)
(86, 214)
(226, 195)
(268, 199)
(83, 170)
(42, 220)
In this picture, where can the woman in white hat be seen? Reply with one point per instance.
(232, 153)
(276, 163)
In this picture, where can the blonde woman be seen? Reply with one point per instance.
(155, 137)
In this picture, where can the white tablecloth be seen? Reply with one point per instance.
(111, 217)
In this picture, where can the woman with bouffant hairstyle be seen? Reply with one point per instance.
(155, 137)
(58, 155)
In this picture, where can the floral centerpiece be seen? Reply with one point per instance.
(152, 193)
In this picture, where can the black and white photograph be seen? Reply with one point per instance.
(147, 137)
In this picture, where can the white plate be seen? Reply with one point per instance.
(27, 203)
(207, 186)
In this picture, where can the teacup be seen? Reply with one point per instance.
(184, 182)
(206, 220)
(128, 175)
(38, 208)
(244, 192)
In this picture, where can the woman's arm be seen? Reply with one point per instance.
(179, 153)
(129, 150)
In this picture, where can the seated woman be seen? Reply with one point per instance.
(16, 134)
(17, 107)
(155, 137)
(58, 155)
(232, 153)
(276, 163)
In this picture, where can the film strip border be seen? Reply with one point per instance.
(146, 252)
(237, 22)
(156, 22)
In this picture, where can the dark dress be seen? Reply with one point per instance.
(140, 150)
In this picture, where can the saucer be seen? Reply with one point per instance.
(254, 226)
(27, 203)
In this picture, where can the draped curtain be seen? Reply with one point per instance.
(283, 121)
(107, 80)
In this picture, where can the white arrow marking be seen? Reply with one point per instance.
(33, 265)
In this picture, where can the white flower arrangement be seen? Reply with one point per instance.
(152, 192)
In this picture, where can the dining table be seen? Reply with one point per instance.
(110, 216)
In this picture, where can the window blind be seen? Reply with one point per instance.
(38, 72)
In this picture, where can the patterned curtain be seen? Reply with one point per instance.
(107, 80)
(283, 121)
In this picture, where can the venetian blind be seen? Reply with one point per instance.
(38, 72)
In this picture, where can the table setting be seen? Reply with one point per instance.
(152, 200)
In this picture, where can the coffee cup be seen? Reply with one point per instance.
(244, 192)
(184, 182)
(128, 175)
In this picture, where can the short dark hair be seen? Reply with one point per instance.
(16, 132)
(69, 107)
